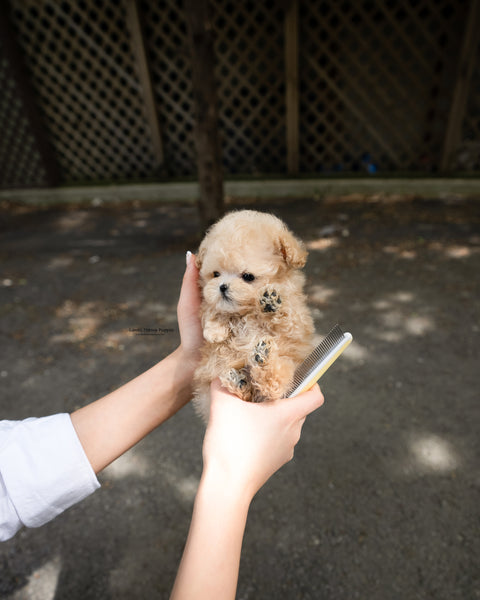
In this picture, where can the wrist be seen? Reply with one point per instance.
(188, 360)
(173, 377)
(219, 483)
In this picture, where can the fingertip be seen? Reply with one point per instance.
(191, 260)
(191, 271)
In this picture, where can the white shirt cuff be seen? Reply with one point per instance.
(43, 471)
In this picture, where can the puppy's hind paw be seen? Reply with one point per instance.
(261, 352)
(270, 301)
(235, 380)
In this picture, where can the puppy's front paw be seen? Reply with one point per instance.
(215, 333)
(270, 301)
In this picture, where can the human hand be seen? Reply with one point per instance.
(246, 443)
(188, 312)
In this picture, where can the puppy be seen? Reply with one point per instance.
(256, 323)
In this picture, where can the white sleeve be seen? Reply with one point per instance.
(43, 471)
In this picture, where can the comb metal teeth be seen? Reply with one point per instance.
(336, 338)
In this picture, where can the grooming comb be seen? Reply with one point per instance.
(316, 363)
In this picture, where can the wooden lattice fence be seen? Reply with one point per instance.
(95, 90)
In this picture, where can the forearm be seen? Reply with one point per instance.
(110, 426)
(211, 559)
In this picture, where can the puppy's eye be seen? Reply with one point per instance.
(248, 277)
(216, 274)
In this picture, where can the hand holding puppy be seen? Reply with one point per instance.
(246, 443)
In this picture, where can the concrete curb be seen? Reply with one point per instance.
(279, 188)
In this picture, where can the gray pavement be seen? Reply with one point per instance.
(382, 498)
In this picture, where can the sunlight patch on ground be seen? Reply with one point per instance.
(129, 464)
(458, 252)
(418, 325)
(449, 251)
(319, 294)
(403, 297)
(356, 353)
(322, 244)
(157, 308)
(455, 251)
(71, 220)
(80, 329)
(184, 486)
(399, 315)
(83, 320)
(116, 340)
(59, 262)
(396, 325)
(433, 453)
(390, 336)
(42, 583)
(405, 253)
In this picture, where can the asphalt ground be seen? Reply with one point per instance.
(382, 498)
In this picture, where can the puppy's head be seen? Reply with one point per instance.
(242, 253)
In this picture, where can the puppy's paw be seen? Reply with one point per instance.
(260, 353)
(236, 381)
(270, 301)
(215, 333)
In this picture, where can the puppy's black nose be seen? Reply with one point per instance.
(223, 288)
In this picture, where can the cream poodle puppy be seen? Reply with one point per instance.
(256, 323)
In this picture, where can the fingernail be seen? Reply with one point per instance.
(188, 257)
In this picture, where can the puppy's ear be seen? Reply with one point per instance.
(292, 250)
(200, 256)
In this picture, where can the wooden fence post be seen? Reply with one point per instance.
(144, 74)
(468, 55)
(291, 85)
(207, 139)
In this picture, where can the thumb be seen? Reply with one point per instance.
(190, 298)
(305, 403)
(190, 278)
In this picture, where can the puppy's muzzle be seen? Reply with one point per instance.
(224, 291)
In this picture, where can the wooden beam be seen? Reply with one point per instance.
(145, 77)
(292, 83)
(207, 139)
(468, 56)
(18, 71)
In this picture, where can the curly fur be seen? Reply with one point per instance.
(259, 328)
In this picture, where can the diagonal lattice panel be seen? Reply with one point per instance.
(249, 75)
(80, 59)
(374, 82)
(169, 55)
(251, 84)
(20, 160)
(467, 156)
